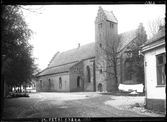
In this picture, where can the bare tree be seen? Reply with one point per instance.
(153, 26)
(110, 57)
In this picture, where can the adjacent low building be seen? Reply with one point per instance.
(155, 74)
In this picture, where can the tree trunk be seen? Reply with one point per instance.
(2, 92)
(20, 87)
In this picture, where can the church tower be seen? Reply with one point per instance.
(106, 32)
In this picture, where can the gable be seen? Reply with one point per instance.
(105, 15)
(125, 38)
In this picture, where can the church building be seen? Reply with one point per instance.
(86, 67)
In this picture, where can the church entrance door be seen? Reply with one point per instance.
(100, 87)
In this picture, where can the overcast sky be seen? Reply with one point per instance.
(62, 27)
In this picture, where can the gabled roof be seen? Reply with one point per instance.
(126, 38)
(63, 61)
(77, 54)
(156, 37)
(110, 16)
(56, 69)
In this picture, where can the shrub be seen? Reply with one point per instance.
(18, 94)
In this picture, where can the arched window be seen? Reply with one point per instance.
(100, 88)
(100, 36)
(88, 73)
(78, 81)
(60, 83)
(128, 70)
(111, 25)
(49, 83)
(41, 84)
(100, 70)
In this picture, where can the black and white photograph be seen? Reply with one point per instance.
(76, 62)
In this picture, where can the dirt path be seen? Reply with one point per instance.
(82, 104)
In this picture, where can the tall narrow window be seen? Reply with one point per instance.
(88, 73)
(100, 70)
(128, 70)
(101, 25)
(49, 83)
(161, 74)
(60, 83)
(78, 81)
(100, 36)
(41, 83)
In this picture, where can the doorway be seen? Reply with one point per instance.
(100, 87)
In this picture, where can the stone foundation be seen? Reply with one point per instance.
(156, 104)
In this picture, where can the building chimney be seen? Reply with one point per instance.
(78, 45)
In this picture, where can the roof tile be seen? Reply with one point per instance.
(57, 69)
(77, 54)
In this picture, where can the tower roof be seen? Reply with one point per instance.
(105, 14)
(110, 16)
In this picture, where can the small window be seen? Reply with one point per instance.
(100, 45)
(98, 26)
(161, 74)
(49, 83)
(49, 80)
(100, 36)
(60, 83)
(111, 25)
(41, 83)
(101, 71)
